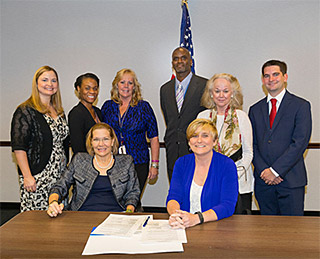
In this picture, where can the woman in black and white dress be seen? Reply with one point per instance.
(40, 140)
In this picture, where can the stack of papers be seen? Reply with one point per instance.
(130, 234)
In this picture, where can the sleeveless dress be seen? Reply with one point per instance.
(38, 200)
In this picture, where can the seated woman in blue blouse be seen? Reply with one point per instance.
(204, 185)
(101, 179)
(133, 119)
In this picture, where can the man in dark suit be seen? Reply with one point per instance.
(281, 125)
(187, 89)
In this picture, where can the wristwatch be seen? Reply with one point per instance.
(155, 165)
(200, 216)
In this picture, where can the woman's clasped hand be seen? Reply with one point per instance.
(183, 219)
(55, 209)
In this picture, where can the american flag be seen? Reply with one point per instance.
(185, 31)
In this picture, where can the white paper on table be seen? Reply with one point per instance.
(121, 225)
(123, 245)
(160, 231)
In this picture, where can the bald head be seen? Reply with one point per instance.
(181, 62)
(182, 49)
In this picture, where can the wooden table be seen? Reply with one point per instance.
(33, 234)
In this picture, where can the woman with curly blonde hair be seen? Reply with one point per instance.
(133, 119)
(223, 99)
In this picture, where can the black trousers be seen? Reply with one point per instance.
(142, 173)
(244, 202)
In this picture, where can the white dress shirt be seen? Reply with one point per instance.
(279, 98)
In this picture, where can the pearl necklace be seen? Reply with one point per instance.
(103, 167)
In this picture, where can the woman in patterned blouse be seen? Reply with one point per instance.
(223, 99)
(39, 140)
(133, 119)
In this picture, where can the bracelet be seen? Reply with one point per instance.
(157, 161)
(200, 216)
(53, 201)
(155, 165)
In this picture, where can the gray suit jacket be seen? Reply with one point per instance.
(177, 123)
(81, 174)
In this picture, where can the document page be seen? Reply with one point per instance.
(121, 225)
(129, 234)
(160, 231)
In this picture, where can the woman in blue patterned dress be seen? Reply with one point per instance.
(39, 140)
(133, 119)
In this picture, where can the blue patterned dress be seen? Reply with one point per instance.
(139, 122)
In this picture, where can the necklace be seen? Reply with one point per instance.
(103, 167)
(121, 120)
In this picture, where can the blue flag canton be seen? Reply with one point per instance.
(185, 33)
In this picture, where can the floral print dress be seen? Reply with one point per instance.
(38, 200)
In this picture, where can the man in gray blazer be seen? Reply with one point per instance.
(180, 104)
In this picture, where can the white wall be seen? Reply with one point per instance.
(103, 36)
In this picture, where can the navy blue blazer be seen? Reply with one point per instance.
(281, 147)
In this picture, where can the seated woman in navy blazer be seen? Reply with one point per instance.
(204, 185)
(101, 179)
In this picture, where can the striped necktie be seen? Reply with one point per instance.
(179, 97)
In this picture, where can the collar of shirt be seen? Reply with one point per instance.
(185, 83)
(279, 98)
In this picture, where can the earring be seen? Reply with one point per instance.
(211, 96)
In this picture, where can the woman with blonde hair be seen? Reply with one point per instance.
(102, 180)
(133, 119)
(223, 99)
(204, 184)
(39, 140)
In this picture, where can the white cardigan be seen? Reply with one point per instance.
(245, 178)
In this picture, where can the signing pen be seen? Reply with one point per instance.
(146, 222)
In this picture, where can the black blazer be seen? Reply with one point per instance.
(177, 123)
(80, 122)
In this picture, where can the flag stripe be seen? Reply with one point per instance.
(185, 32)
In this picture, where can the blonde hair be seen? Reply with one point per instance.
(237, 99)
(136, 95)
(34, 100)
(112, 134)
(199, 124)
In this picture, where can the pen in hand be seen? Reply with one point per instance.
(146, 222)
